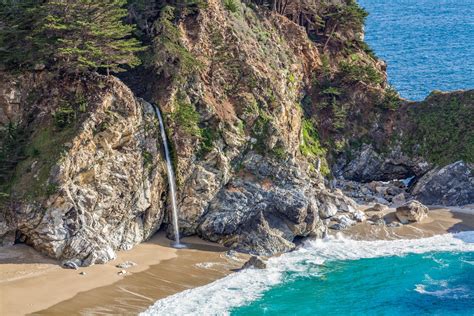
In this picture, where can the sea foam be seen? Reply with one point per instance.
(238, 289)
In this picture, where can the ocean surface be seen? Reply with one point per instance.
(339, 276)
(428, 44)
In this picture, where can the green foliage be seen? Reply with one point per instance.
(170, 55)
(260, 131)
(443, 131)
(231, 5)
(208, 136)
(311, 147)
(391, 99)
(64, 116)
(70, 35)
(353, 71)
(332, 91)
(279, 152)
(147, 160)
(186, 116)
(19, 21)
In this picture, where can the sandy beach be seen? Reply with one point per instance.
(31, 283)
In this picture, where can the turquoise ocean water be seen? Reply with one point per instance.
(428, 44)
(339, 276)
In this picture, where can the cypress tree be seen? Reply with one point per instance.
(69, 35)
(19, 20)
(89, 34)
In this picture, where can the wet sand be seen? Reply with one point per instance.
(31, 283)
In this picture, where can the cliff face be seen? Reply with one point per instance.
(258, 107)
(88, 178)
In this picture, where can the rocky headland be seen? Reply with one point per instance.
(281, 124)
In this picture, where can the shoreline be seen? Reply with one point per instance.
(160, 271)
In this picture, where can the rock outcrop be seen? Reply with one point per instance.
(412, 211)
(450, 185)
(94, 186)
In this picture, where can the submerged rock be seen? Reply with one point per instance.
(450, 185)
(255, 262)
(412, 211)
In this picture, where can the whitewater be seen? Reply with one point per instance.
(244, 287)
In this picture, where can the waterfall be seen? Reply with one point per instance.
(171, 179)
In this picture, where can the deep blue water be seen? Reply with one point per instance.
(415, 284)
(428, 44)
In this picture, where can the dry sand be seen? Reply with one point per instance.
(31, 283)
(439, 221)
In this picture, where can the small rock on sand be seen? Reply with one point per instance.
(126, 265)
(412, 211)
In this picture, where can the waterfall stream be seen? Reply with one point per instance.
(171, 178)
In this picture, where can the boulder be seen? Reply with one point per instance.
(255, 262)
(450, 186)
(412, 211)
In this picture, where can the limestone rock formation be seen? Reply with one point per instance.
(412, 211)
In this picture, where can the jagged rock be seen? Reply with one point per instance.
(263, 216)
(412, 211)
(126, 265)
(368, 165)
(450, 185)
(255, 262)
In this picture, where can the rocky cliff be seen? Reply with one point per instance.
(260, 104)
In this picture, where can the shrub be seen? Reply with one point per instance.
(64, 116)
(231, 5)
(311, 147)
(355, 72)
(186, 116)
